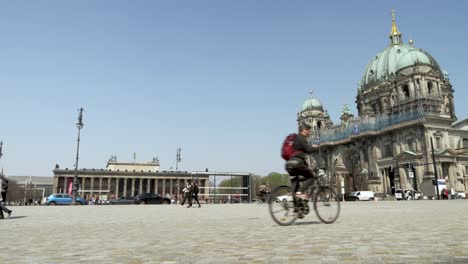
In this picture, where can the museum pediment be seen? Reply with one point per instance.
(407, 155)
(447, 152)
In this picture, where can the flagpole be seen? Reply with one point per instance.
(177, 168)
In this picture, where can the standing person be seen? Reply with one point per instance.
(4, 189)
(262, 191)
(188, 190)
(195, 193)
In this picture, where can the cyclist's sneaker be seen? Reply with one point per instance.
(302, 196)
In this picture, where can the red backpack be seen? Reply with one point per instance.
(288, 151)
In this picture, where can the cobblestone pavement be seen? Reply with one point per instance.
(366, 232)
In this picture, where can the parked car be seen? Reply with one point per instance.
(460, 195)
(122, 200)
(407, 194)
(364, 195)
(284, 198)
(348, 196)
(151, 198)
(399, 194)
(412, 194)
(63, 199)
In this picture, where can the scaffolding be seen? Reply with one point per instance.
(243, 193)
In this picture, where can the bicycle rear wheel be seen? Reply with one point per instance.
(327, 205)
(281, 204)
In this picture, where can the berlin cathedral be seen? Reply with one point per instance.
(406, 133)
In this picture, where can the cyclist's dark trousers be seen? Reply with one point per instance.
(195, 197)
(299, 167)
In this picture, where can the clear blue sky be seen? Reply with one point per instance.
(223, 80)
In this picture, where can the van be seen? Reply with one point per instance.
(364, 195)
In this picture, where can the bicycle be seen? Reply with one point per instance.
(285, 207)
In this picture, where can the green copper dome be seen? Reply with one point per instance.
(312, 104)
(394, 58)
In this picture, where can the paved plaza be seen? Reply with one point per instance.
(366, 232)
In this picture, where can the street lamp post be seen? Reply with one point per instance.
(178, 159)
(79, 125)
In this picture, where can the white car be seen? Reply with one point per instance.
(460, 195)
(364, 195)
(284, 198)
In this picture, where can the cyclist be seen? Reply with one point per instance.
(298, 165)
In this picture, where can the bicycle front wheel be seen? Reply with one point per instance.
(281, 204)
(327, 205)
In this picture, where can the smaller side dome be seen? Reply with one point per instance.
(312, 104)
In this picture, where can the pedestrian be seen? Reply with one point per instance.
(195, 193)
(188, 190)
(4, 189)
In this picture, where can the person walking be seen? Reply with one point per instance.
(195, 193)
(4, 189)
(188, 190)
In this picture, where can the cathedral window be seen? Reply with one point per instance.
(410, 143)
(465, 143)
(388, 150)
(406, 91)
(438, 143)
(429, 87)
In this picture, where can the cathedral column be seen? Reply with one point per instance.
(133, 186)
(125, 187)
(148, 185)
(109, 184)
(412, 89)
(403, 181)
(164, 187)
(140, 185)
(170, 187)
(117, 181)
(100, 185)
(155, 185)
(92, 186)
(439, 91)
(65, 183)
(424, 84)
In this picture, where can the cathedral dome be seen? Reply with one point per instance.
(394, 58)
(312, 104)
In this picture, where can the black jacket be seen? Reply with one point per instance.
(301, 144)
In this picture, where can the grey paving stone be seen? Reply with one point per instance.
(366, 232)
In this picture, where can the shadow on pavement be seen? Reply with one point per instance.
(15, 217)
(308, 223)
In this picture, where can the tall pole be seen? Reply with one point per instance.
(178, 159)
(79, 125)
(1, 149)
(436, 176)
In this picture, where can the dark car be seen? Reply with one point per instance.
(348, 196)
(151, 198)
(122, 200)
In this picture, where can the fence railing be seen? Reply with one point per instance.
(361, 125)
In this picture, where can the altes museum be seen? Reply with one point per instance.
(405, 105)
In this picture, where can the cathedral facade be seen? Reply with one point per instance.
(405, 112)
